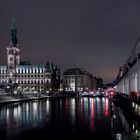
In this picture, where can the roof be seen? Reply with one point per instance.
(73, 71)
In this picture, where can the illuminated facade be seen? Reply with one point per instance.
(77, 79)
(27, 77)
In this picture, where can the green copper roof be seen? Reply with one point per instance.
(14, 32)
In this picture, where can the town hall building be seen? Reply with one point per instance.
(27, 77)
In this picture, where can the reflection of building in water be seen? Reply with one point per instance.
(73, 110)
(25, 114)
(135, 126)
(115, 122)
(92, 114)
(99, 105)
(128, 128)
(106, 109)
(97, 109)
(136, 108)
(53, 116)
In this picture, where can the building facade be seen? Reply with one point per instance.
(24, 76)
(76, 79)
(99, 82)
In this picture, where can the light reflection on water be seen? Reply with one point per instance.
(91, 113)
(130, 124)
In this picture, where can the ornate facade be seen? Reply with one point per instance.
(76, 79)
(25, 76)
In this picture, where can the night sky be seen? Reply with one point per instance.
(97, 35)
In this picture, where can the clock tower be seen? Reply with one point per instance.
(13, 54)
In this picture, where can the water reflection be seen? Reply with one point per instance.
(70, 115)
(92, 114)
(124, 123)
(23, 114)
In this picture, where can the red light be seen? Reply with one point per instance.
(106, 110)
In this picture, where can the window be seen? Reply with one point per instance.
(11, 59)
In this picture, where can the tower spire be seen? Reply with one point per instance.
(13, 29)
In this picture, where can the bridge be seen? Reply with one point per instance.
(128, 78)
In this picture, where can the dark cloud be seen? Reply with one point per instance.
(97, 35)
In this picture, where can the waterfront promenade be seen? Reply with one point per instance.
(6, 98)
(11, 99)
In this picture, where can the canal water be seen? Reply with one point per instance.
(56, 118)
(124, 122)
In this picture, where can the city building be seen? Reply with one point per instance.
(23, 76)
(99, 82)
(76, 79)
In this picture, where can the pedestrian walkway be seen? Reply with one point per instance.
(11, 99)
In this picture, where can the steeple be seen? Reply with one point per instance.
(13, 54)
(13, 29)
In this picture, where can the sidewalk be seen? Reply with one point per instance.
(12, 99)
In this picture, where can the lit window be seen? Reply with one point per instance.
(37, 70)
(33, 70)
(17, 70)
(23, 70)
